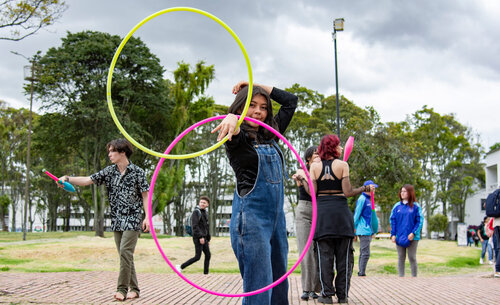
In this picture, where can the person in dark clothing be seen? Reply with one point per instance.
(484, 238)
(335, 225)
(303, 219)
(201, 235)
(258, 227)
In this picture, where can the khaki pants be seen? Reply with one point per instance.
(309, 271)
(125, 244)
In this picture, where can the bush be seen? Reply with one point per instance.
(438, 223)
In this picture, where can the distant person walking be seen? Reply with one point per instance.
(406, 223)
(127, 193)
(201, 235)
(365, 224)
(484, 238)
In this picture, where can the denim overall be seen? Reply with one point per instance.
(258, 231)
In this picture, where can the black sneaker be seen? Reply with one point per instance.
(305, 296)
(313, 295)
(343, 301)
(325, 300)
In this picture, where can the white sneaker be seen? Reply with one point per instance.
(481, 261)
(178, 268)
(490, 262)
(497, 274)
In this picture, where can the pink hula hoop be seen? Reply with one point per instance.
(313, 197)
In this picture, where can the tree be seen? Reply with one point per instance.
(13, 127)
(448, 156)
(72, 86)
(438, 223)
(190, 105)
(22, 18)
(4, 210)
(494, 147)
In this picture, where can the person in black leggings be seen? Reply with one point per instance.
(335, 224)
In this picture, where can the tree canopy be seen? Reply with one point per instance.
(22, 18)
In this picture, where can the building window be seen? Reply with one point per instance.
(483, 203)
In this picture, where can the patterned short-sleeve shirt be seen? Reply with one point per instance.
(124, 194)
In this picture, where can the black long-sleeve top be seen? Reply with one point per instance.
(243, 157)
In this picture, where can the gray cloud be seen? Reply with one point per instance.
(396, 55)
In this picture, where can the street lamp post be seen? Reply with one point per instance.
(29, 75)
(338, 26)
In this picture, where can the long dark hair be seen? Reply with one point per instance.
(262, 134)
(328, 147)
(308, 154)
(410, 190)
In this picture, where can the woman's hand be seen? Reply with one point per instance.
(411, 236)
(239, 85)
(244, 83)
(299, 178)
(393, 238)
(227, 127)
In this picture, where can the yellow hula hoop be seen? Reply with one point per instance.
(117, 54)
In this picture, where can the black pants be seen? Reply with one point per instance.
(198, 247)
(338, 251)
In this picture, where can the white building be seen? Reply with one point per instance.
(474, 205)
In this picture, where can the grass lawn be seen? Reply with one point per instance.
(82, 251)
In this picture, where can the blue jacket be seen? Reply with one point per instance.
(363, 216)
(406, 220)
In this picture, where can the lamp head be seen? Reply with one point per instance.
(338, 24)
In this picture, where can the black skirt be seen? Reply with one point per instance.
(335, 219)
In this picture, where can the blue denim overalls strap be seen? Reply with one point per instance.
(258, 230)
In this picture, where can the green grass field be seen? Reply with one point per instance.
(82, 251)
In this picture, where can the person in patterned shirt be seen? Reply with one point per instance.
(127, 193)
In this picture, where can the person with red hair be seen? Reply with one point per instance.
(335, 223)
(407, 220)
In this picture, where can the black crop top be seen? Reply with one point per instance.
(303, 195)
(327, 182)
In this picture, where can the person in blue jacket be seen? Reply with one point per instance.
(365, 224)
(407, 220)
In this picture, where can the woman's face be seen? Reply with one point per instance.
(340, 149)
(257, 110)
(314, 156)
(404, 194)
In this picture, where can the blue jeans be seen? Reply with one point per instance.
(496, 245)
(485, 248)
(258, 231)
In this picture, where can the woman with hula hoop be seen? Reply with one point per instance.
(257, 227)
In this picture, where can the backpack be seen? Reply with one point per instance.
(188, 226)
(493, 204)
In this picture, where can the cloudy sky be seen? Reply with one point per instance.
(394, 55)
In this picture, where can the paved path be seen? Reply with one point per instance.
(98, 288)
